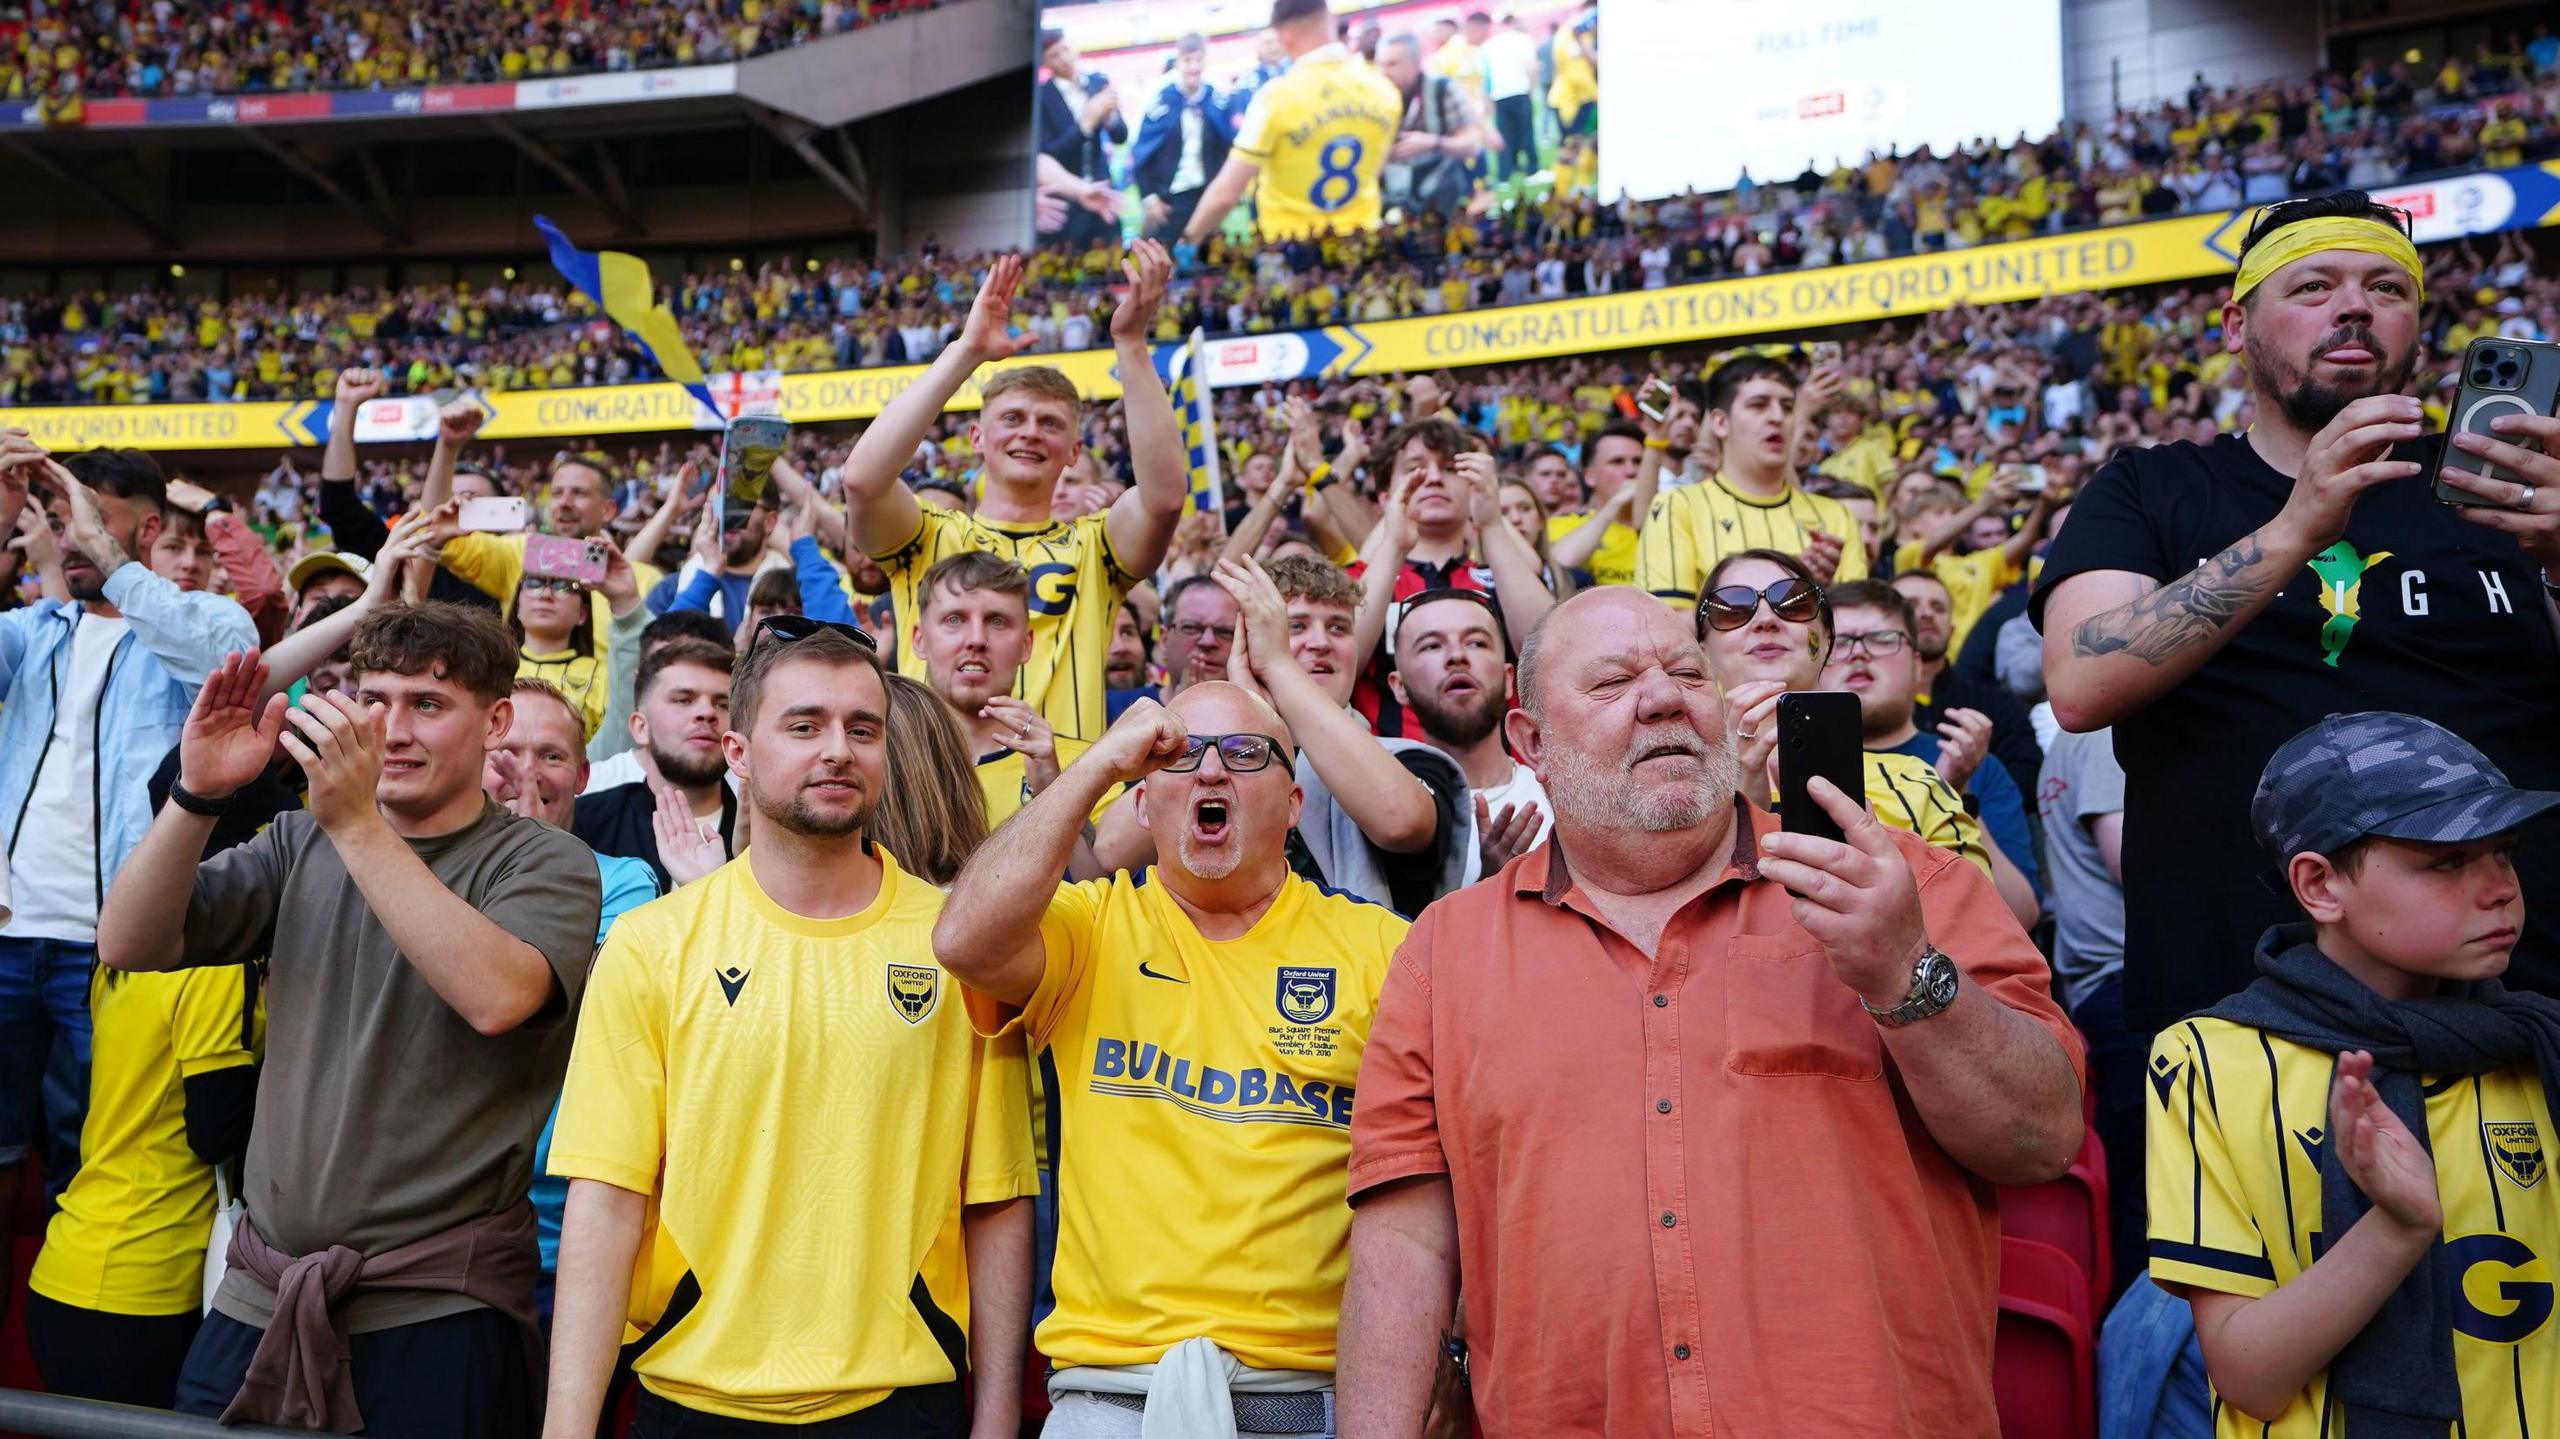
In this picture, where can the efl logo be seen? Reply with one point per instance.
(2420, 203)
(1829, 102)
(1242, 352)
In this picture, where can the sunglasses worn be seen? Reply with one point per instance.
(1730, 607)
(1239, 753)
(787, 628)
(552, 584)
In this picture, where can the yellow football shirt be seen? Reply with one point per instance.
(494, 565)
(804, 1104)
(2238, 1121)
(1320, 132)
(130, 1236)
(581, 677)
(1907, 793)
(1973, 582)
(1691, 528)
(1205, 1090)
(1076, 585)
(1614, 563)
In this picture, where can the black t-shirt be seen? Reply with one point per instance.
(623, 821)
(2451, 625)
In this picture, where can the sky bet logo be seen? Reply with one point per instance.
(1252, 1096)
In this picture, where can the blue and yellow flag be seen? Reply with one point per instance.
(1196, 408)
(620, 284)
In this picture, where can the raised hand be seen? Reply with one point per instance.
(230, 736)
(189, 496)
(1027, 733)
(1263, 614)
(1145, 738)
(621, 587)
(1822, 552)
(504, 779)
(1967, 738)
(2393, 1169)
(1149, 267)
(88, 530)
(683, 848)
(1505, 835)
(457, 424)
(357, 384)
(2349, 456)
(1858, 898)
(1306, 440)
(338, 743)
(988, 333)
(1484, 489)
(1754, 707)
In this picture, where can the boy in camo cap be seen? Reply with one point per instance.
(2347, 1159)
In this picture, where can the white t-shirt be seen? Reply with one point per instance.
(1510, 63)
(55, 873)
(1521, 788)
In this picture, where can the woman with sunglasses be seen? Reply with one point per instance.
(1767, 630)
(554, 625)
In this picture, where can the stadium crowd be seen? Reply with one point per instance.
(2220, 149)
(58, 53)
(322, 799)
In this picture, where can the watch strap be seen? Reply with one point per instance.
(1921, 1003)
(197, 804)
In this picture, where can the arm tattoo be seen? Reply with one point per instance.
(2176, 617)
(106, 554)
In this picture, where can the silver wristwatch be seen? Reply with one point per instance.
(1933, 988)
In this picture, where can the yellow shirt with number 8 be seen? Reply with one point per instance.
(1320, 134)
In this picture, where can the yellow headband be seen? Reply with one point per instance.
(2310, 237)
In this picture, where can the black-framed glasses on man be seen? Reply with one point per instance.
(1874, 642)
(787, 628)
(1192, 630)
(1238, 753)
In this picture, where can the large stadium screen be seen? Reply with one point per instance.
(1372, 112)
(1701, 91)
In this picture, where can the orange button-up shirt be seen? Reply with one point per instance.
(1692, 1196)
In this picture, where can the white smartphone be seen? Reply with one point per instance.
(496, 514)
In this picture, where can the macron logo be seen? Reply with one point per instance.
(732, 980)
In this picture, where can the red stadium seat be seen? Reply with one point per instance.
(2044, 1360)
(2070, 1214)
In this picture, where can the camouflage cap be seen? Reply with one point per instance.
(2380, 773)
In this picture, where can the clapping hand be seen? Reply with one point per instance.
(230, 736)
(988, 333)
(1026, 732)
(1149, 267)
(687, 852)
(2393, 1169)
(1966, 736)
(338, 743)
(1822, 552)
(1503, 836)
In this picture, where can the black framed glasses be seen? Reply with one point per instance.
(1874, 642)
(1239, 753)
(1730, 607)
(787, 628)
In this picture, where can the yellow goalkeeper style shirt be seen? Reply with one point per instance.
(2238, 1122)
(1076, 585)
(804, 1104)
(1693, 527)
(1320, 134)
(1205, 1090)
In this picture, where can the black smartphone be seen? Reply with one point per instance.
(2499, 377)
(1819, 733)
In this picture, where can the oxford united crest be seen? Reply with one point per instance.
(2517, 1151)
(1306, 995)
(912, 990)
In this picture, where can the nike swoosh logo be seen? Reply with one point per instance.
(1151, 974)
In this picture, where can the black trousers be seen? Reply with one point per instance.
(121, 1358)
(458, 1377)
(1516, 119)
(931, 1411)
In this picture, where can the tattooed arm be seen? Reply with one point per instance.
(2114, 640)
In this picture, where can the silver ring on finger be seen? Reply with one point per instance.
(2526, 502)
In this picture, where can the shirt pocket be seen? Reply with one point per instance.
(1786, 1014)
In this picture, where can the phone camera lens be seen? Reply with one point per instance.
(2480, 377)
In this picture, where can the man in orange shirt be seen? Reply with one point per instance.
(1731, 1168)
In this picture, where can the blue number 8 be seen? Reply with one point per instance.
(1338, 161)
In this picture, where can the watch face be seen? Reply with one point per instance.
(1940, 983)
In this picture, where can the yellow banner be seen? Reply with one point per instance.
(156, 427)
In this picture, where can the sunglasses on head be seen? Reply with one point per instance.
(1730, 607)
(1239, 753)
(787, 628)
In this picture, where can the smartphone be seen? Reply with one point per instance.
(1653, 399)
(1824, 352)
(1819, 733)
(558, 557)
(495, 514)
(2499, 377)
(2032, 479)
(747, 454)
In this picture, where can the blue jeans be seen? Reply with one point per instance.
(44, 1052)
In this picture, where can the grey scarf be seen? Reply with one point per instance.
(2396, 1379)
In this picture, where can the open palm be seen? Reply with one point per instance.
(230, 737)
(989, 332)
(2384, 1159)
